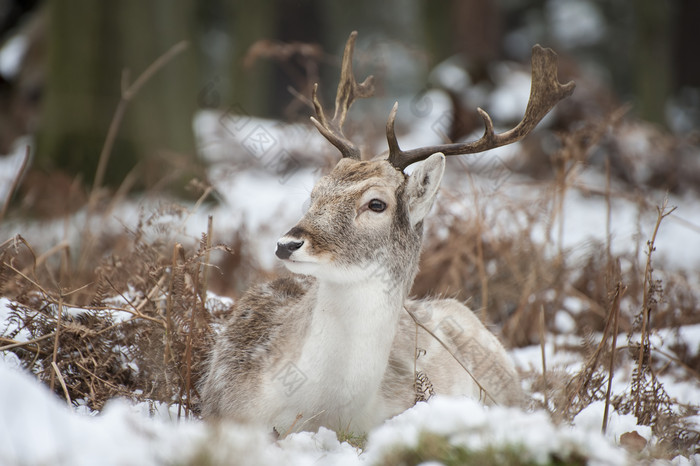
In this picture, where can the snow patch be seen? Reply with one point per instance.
(11, 56)
(469, 424)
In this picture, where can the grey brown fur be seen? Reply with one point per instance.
(336, 345)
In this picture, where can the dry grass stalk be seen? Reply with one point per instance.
(186, 388)
(651, 289)
(545, 390)
(207, 258)
(57, 371)
(583, 388)
(57, 335)
(100, 356)
(177, 251)
(615, 310)
(608, 214)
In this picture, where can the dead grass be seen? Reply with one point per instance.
(152, 349)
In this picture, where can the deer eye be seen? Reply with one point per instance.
(376, 205)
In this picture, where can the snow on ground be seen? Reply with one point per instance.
(468, 423)
(36, 428)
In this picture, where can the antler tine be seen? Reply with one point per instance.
(348, 91)
(545, 92)
(395, 152)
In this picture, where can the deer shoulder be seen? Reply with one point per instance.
(266, 321)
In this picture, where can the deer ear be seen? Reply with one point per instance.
(422, 186)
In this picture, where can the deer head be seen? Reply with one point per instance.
(367, 215)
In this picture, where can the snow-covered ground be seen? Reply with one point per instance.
(36, 428)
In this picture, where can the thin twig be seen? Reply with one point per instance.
(662, 213)
(158, 287)
(57, 335)
(188, 347)
(544, 359)
(608, 213)
(177, 249)
(296, 419)
(415, 362)
(19, 344)
(584, 376)
(7, 242)
(207, 256)
(136, 312)
(301, 97)
(692, 371)
(46, 293)
(61, 381)
(196, 206)
(615, 310)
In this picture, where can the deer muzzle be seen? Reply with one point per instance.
(285, 249)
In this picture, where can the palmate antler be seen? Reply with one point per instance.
(545, 92)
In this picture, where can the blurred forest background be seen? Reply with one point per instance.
(65, 65)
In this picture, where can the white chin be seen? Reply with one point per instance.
(304, 268)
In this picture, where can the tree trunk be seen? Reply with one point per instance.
(90, 43)
(252, 21)
(652, 58)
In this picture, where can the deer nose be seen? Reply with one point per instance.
(284, 250)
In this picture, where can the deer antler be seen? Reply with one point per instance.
(545, 92)
(348, 91)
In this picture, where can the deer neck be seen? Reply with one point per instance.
(350, 337)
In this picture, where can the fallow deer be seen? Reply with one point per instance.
(339, 343)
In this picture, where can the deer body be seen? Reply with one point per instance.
(340, 344)
(340, 348)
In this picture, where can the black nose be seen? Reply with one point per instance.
(284, 250)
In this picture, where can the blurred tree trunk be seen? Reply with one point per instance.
(686, 64)
(252, 21)
(652, 58)
(90, 43)
(472, 28)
